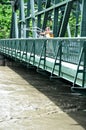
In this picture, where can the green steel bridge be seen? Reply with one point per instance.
(64, 55)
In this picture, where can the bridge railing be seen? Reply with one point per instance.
(36, 51)
(71, 47)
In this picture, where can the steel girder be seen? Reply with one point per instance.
(32, 16)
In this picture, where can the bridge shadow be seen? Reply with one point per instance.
(58, 91)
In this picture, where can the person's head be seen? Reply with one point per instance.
(47, 29)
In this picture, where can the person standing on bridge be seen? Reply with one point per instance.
(49, 45)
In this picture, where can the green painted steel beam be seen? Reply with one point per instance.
(14, 24)
(46, 15)
(16, 4)
(55, 24)
(83, 34)
(22, 24)
(83, 22)
(39, 16)
(84, 66)
(59, 5)
(28, 20)
(66, 16)
(33, 18)
(77, 18)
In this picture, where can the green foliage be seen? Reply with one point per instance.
(5, 19)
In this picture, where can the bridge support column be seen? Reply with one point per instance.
(22, 22)
(33, 18)
(82, 58)
(14, 24)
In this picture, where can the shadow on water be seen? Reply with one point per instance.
(57, 91)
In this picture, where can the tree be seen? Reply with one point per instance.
(5, 20)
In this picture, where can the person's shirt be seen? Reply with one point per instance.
(49, 35)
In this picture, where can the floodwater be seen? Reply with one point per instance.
(30, 101)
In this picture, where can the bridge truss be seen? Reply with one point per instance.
(31, 16)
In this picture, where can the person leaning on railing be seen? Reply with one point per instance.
(47, 33)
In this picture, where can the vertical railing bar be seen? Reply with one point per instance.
(84, 65)
(44, 58)
(59, 51)
(80, 57)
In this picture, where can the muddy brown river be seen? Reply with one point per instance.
(30, 101)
